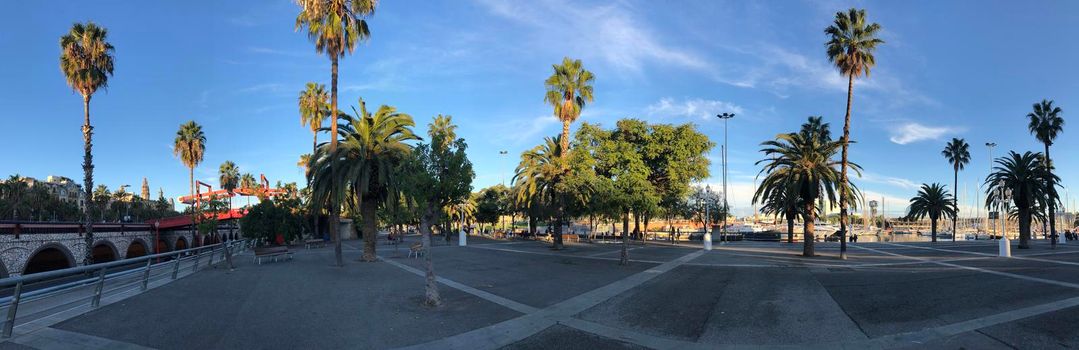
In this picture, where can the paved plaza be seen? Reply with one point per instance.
(523, 295)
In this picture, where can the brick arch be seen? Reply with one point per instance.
(48, 257)
(104, 251)
(181, 243)
(136, 248)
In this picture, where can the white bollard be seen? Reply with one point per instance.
(462, 238)
(707, 241)
(1005, 247)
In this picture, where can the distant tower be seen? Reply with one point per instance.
(145, 189)
(160, 193)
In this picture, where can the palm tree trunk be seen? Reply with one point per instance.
(933, 229)
(558, 224)
(955, 199)
(368, 209)
(808, 230)
(1052, 198)
(790, 229)
(194, 209)
(1024, 228)
(88, 176)
(333, 170)
(843, 172)
(431, 296)
(565, 137)
(314, 220)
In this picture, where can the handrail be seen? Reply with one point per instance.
(10, 281)
(12, 303)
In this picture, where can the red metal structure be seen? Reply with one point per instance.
(199, 196)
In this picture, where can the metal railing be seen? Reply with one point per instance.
(131, 276)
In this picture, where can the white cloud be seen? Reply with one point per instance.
(696, 108)
(888, 180)
(914, 132)
(521, 130)
(611, 33)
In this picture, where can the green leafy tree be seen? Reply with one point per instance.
(371, 148)
(1045, 124)
(335, 26)
(436, 175)
(935, 202)
(1021, 179)
(86, 59)
(229, 178)
(851, 43)
(957, 152)
(489, 204)
(539, 173)
(619, 160)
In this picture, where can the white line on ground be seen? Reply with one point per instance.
(998, 273)
(1019, 257)
(515, 306)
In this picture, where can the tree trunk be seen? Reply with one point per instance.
(431, 296)
(1052, 198)
(636, 225)
(558, 225)
(368, 209)
(624, 257)
(88, 177)
(790, 229)
(532, 223)
(644, 233)
(843, 172)
(933, 229)
(194, 210)
(334, 204)
(808, 230)
(565, 137)
(314, 220)
(955, 200)
(1024, 228)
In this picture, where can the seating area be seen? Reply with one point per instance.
(273, 253)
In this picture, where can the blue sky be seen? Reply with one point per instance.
(966, 69)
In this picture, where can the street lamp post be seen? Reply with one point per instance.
(501, 218)
(990, 146)
(707, 238)
(726, 206)
(1005, 249)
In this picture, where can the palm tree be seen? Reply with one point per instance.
(783, 201)
(190, 146)
(1024, 176)
(851, 42)
(803, 163)
(248, 183)
(1045, 124)
(229, 177)
(957, 152)
(443, 125)
(335, 26)
(538, 174)
(313, 109)
(933, 201)
(86, 59)
(568, 89)
(371, 148)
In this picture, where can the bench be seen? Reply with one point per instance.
(565, 237)
(314, 243)
(416, 249)
(272, 253)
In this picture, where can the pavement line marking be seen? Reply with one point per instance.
(992, 255)
(565, 255)
(52, 338)
(998, 273)
(510, 331)
(613, 251)
(513, 305)
(919, 337)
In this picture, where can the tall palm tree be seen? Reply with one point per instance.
(569, 88)
(1045, 124)
(933, 201)
(229, 178)
(313, 110)
(803, 163)
(443, 125)
(86, 59)
(335, 26)
(372, 146)
(850, 46)
(190, 146)
(1024, 176)
(957, 152)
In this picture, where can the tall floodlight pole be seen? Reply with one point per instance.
(503, 154)
(726, 205)
(988, 213)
